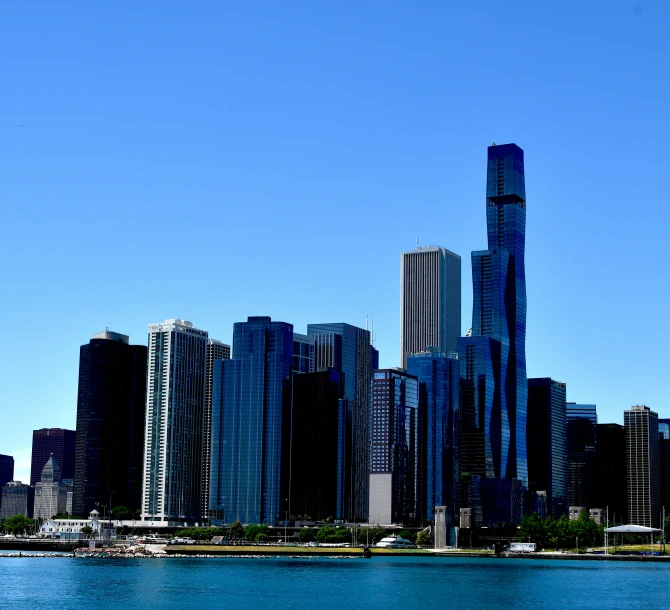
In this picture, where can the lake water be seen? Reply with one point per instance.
(329, 583)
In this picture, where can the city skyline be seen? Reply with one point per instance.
(357, 148)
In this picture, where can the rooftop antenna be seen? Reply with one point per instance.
(493, 144)
(372, 333)
(417, 242)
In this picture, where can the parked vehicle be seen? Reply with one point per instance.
(522, 547)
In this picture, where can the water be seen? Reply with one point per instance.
(328, 583)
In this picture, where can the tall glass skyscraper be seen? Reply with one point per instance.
(395, 461)
(109, 444)
(172, 474)
(251, 399)
(438, 377)
(347, 348)
(216, 350)
(494, 390)
(547, 443)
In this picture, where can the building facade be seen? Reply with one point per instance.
(582, 461)
(438, 377)
(493, 357)
(316, 464)
(574, 410)
(109, 443)
(6, 469)
(610, 472)
(251, 401)
(58, 441)
(430, 300)
(347, 349)
(547, 443)
(172, 473)
(642, 466)
(216, 350)
(50, 492)
(395, 475)
(17, 499)
(304, 353)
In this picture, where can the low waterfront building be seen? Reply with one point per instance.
(71, 529)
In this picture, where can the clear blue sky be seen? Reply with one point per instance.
(214, 160)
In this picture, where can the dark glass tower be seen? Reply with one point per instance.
(395, 481)
(6, 469)
(494, 392)
(316, 463)
(438, 376)
(110, 423)
(347, 348)
(611, 472)
(251, 397)
(58, 441)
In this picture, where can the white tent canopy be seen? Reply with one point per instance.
(632, 529)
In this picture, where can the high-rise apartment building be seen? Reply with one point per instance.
(430, 300)
(109, 443)
(642, 465)
(216, 350)
(395, 461)
(173, 447)
(251, 401)
(547, 443)
(52, 440)
(316, 464)
(347, 348)
(438, 377)
(494, 392)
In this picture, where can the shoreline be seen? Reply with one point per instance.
(254, 552)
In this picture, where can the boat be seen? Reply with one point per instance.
(394, 542)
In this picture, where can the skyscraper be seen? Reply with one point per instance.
(57, 441)
(216, 350)
(610, 488)
(494, 391)
(395, 485)
(582, 461)
(547, 443)
(642, 465)
(347, 348)
(109, 442)
(173, 448)
(438, 377)
(430, 300)
(316, 464)
(6, 469)
(251, 398)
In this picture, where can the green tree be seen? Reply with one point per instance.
(372, 534)
(236, 530)
(18, 524)
(253, 531)
(307, 534)
(121, 513)
(423, 539)
(87, 530)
